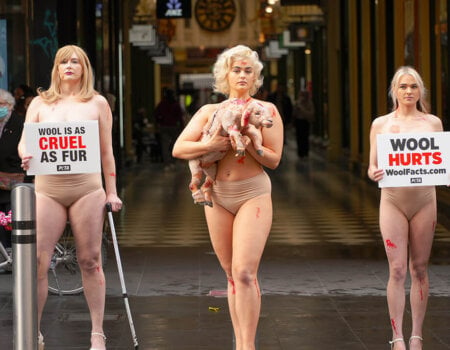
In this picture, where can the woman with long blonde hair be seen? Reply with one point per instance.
(407, 214)
(79, 198)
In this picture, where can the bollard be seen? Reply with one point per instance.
(23, 238)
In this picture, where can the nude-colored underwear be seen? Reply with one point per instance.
(67, 189)
(231, 195)
(409, 200)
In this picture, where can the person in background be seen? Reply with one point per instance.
(283, 102)
(11, 126)
(262, 94)
(81, 198)
(169, 117)
(20, 94)
(28, 99)
(407, 214)
(138, 133)
(193, 104)
(240, 219)
(303, 116)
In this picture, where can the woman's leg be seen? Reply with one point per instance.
(251, 229)
(51, 219)
(394, 228)
(220, 226)
(86, 218)
(421, 239)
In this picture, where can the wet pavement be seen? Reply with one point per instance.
(323, 273)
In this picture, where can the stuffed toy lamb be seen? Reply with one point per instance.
(241, 121)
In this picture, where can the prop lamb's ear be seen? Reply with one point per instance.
(245, 118)
(226, 119)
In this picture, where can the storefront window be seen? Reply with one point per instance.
(12, 44)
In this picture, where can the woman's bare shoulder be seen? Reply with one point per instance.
(37, 101)
(435, 121)
(100, 99)
(207, 110)
(34, 108)
(380, 121)
(433, 118)
(210, 107)
(380, 124)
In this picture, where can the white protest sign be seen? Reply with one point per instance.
(63, 147)
(421, 159)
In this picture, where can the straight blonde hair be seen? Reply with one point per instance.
(422, 104)
(87, 90)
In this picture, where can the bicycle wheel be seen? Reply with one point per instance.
(5, 258)
(64, 275)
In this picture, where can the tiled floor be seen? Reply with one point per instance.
(315, 204)
(323, 274)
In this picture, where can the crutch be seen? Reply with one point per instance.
(119, 268)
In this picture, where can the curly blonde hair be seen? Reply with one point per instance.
(87, 90)
(224, 63)
(422, 104)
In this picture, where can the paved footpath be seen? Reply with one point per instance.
(323, 274)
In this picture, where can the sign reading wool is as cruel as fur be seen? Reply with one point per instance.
(63, 148)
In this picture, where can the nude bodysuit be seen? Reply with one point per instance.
(67, 189)
(409, 200)
(231, 195)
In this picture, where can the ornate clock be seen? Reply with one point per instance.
(215, 15)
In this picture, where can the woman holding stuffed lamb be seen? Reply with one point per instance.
(240, 219)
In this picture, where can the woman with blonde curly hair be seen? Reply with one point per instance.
(81, 198)
(240, 219)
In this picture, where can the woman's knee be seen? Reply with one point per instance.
(244, 276)
(418, 270)
(89, 263)
(43, 264)
(398, 272)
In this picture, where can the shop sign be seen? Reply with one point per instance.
(166, 9)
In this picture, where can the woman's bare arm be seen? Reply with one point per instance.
(32, 116)
(373, 172)
(107, 156)
(187, 146)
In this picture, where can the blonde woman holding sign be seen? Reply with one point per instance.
(407, 214)
(80, 198)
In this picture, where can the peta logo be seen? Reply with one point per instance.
(63, 167)
(174, 8)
